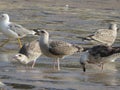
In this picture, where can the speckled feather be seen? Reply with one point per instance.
(104, 35)
(31, 49)
(62, 48)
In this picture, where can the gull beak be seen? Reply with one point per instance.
(14, 57)
(37, 31)
(118, 29)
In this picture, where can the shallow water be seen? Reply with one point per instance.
(81, 18)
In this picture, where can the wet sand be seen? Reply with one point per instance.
(81, 18)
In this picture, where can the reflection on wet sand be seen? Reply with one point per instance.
(42, 77)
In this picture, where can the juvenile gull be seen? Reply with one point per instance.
(104, 36)
(56, 49)
(29, 53)
(99, 54)
(12, 30)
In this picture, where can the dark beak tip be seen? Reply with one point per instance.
(37, 32)
(118, 29)
(84, 70)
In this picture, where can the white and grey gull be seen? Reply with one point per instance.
(56, 49)
(103, 36)
(29, 52)
(13, 30)
(99, 55)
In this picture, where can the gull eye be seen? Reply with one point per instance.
(42, 31)
(2, 16)
(20, 55)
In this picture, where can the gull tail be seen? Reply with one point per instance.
(80, 48)
(33, 32)
(88, 38)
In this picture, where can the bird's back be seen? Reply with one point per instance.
(105, 36)
(103, 50)
(62, 48)
(31, 49)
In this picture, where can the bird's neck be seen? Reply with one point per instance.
(113, 27)
(44, 42)
(5, 21)
(44, 39)
(26, 60)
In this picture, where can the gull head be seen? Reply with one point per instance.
(113, 26)
(4, 17)
(84, 58)
(21, 58)
(41, 32)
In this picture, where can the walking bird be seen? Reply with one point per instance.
(56, 49)
(99, 54)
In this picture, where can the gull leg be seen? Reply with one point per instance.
(84, 67)
(4, 43)
(102, 66)
(33, 63)
(58, 63)
(19, 41)
(54, 64)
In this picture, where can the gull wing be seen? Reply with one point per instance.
(104, 35)
(20, 30)
(61, 48)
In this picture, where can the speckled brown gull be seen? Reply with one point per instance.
(29, 53)
(13, 30)
(56, 49)
(104, 36)
(99, 55)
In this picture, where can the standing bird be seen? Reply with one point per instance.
(12, 30)
(99, 54)
(56, 49)
(104, 36)
(28, 53)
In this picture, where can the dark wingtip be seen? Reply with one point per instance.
(82, 38)
(86, 48)
(24, 50)
(118, 29)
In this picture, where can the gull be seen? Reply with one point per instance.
(99, 54)
(66, 7)
(104, 36)
(56, 49)
(12, 30)
(29, 53)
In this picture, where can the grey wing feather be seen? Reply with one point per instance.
(20, 30)
(34, 46)
(61, 48)
(30, 49)
(103, 34)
